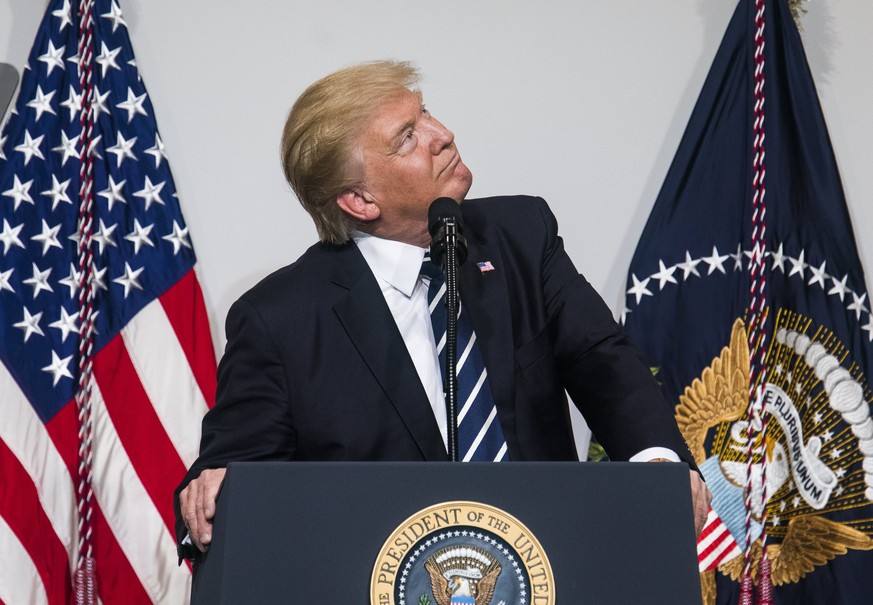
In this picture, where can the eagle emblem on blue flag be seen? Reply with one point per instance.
(820, 443)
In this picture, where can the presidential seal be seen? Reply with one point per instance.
(817, 449)
(462, 553)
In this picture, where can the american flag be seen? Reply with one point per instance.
(485, 266)
(153, 361)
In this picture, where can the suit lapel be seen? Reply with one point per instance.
(484, 295)
(371, 327)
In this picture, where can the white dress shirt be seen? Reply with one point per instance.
(397, 267)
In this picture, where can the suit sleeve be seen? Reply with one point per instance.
(251, 419)
(601, 370)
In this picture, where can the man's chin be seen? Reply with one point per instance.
(464, 180)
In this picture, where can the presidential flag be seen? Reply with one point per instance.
(93, 479)
(747, 295)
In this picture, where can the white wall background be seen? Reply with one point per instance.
(580, 101)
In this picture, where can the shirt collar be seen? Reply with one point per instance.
(395, 262)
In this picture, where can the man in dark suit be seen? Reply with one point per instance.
(333, 357)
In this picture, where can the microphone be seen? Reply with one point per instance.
(444, 225)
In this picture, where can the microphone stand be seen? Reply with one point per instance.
(450, 268)
(449, 250)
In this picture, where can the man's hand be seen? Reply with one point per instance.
(197, 502)
(700, 499)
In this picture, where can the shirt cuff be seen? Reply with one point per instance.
(653, 453)
(186, 549)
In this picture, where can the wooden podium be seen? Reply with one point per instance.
(312, 532)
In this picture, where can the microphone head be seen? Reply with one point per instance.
(441, 212)
(442, 208)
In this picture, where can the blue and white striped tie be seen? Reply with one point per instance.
(480, 436)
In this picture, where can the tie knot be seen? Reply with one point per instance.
(430, 269)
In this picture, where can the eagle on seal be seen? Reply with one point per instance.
(462, 575)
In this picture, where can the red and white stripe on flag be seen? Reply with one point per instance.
(153, 361)
(715, 544)
(148, 401)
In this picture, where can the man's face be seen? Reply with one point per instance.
(409, 160)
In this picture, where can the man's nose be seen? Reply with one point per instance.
(441, 137)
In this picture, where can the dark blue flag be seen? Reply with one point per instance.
(688, 307)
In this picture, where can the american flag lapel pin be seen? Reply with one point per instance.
(485, 266)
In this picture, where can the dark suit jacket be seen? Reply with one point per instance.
(316, 369)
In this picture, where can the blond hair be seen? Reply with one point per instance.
(320, 154)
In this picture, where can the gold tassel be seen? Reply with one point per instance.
(797, 11)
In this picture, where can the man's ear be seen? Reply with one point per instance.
(359, 205)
